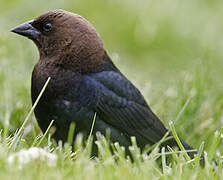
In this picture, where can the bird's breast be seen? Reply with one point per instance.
(63, 83)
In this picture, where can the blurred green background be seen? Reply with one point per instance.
(171, 50)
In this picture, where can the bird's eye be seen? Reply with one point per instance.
(47, 27)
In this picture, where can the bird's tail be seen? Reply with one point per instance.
(191, 151)
(188, 148)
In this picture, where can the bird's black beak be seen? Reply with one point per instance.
(26, 29)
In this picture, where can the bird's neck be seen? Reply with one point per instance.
(82, 65)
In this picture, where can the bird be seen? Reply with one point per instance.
(84, 83)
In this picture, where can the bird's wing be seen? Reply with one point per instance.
(120, 104)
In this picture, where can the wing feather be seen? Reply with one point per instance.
(121, 105)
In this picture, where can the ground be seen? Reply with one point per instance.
(171, 50)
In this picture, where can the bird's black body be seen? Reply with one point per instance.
(119, 105)
(84, 81)
(79, 99)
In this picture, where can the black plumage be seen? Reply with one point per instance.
(84, 81)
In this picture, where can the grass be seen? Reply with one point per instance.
(171, 50)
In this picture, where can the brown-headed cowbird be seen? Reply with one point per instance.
(84, 81)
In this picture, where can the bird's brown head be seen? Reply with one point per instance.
(64, 38)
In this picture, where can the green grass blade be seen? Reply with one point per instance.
(163, 160)
(198, 156)
(70, 137)
(178, 140)
(183, 109)
(164, 139)
(44, 135)
(215, 143)
(92, 127)
(28, 116)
